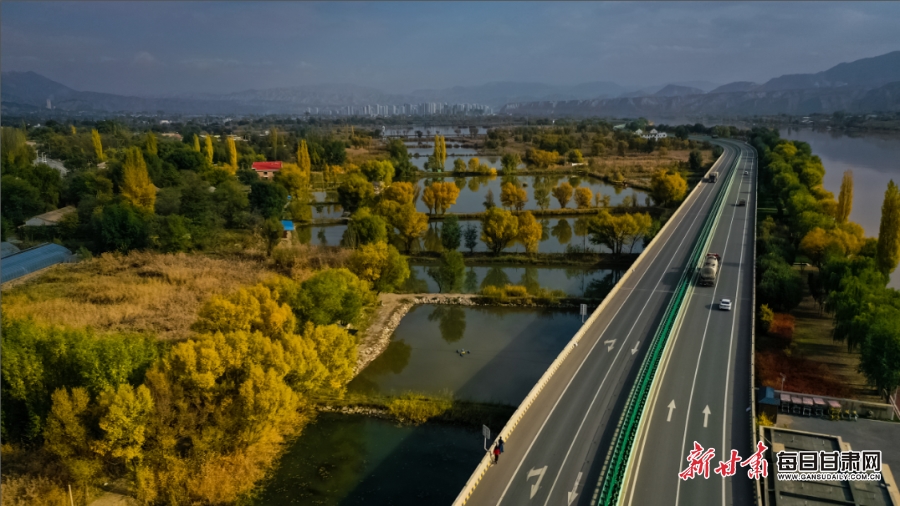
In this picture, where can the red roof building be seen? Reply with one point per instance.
(266, 170)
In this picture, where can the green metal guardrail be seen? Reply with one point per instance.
(637, 398)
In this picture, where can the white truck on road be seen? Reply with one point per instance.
(710, 269)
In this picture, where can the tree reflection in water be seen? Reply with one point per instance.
(451, 322)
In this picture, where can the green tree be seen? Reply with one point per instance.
(355, 192)
(880, 352)
(449, 272)
(780, 286)
(510, 162)
(845, 198)
(450, 233)
(20, 200)
(136, 185)
(272, 231)
(120, 227)
(366, 227)
(888, 252)
(695, 161)
(459, 165)
(499, 228)
(172, 234)
(332, 296)
(268, 198)
(470, 235)
(378, 170)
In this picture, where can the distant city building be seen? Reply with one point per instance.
(266, 170)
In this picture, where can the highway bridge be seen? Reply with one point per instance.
(656, 367)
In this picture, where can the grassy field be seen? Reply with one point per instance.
(812, 362)
(140, 292)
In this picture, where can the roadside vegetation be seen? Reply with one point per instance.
(802, 222)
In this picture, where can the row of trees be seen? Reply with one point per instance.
(853, 270)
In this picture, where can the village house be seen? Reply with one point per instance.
(266, 170)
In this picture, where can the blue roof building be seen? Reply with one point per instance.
(32, 260)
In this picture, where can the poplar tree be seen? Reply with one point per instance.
(196, 143)
(303, 158)
(845, 198)
(152, 148)
(232, 155)
(209, 149)
(136, 184)
(437, 151)
(98, 145)
(887, 251)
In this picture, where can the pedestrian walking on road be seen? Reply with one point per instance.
(500, 444)
(496, 454)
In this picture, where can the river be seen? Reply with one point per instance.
(874, 161)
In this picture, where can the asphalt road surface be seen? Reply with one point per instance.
(704, 388)
(557, 451)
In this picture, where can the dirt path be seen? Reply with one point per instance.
(392, 308)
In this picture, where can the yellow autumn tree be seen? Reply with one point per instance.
(209, 149)
(303, 160)
(440, 196)
(152, 148)
(294, 179)
(98, 145)
(562, 193)
(136, 184)
(530, 231)
(196, 143)
(499, 228)
(401, 193)
(232, 155)
(845, 198)
(583, 197)
(513, 196)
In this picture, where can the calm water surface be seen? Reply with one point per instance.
(574, 281)
(874, 161)
(558, 234)
(510, 349)
(353, 460)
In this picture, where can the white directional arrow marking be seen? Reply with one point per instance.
(671, 407)
(540, 474)
(573, 494)
(611, 343)
(634, 350)
(706, 413)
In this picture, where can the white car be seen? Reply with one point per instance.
(725, 305)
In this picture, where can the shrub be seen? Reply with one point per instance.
(782, 326)
(765, 318)
(515, 291)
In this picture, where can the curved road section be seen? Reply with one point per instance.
(557, 452)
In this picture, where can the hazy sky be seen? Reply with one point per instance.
(170, 47)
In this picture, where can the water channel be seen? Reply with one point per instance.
(473, 191)
(574, 281)
(559, 235)
(873, 161)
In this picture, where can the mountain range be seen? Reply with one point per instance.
(869, 84)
